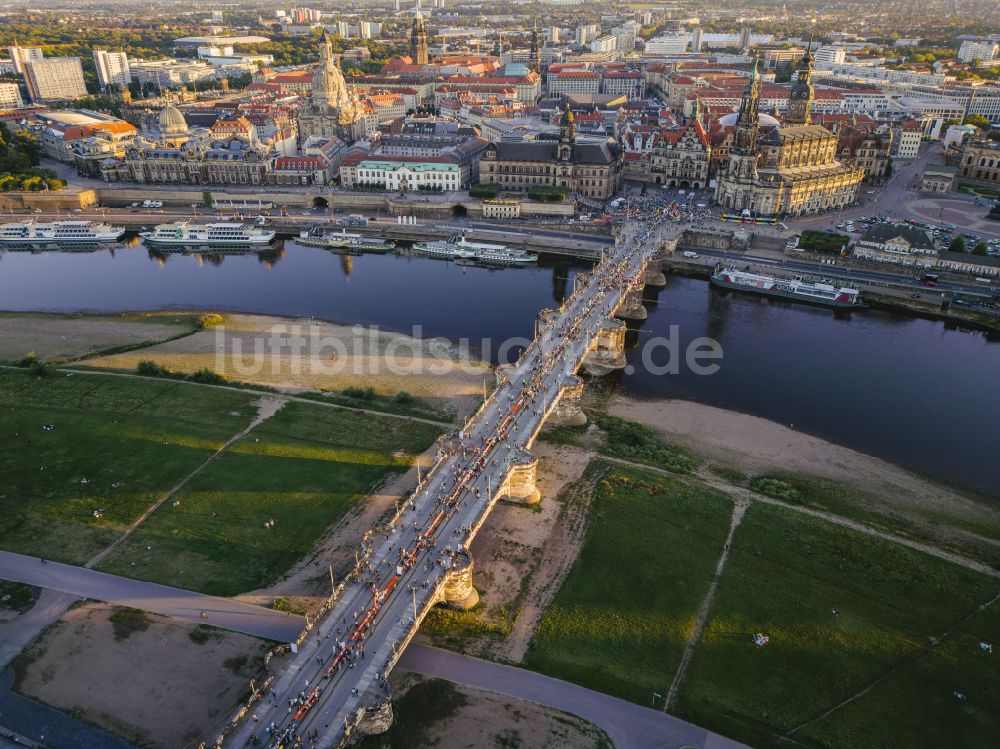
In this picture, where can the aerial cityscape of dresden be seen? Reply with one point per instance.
(500, 374)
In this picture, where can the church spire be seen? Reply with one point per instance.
(800, 95)
(748, 121)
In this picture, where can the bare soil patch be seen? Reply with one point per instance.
(485, 721)
(164, 684)
(521, 556)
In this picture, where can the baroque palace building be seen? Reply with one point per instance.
(592, 169)
(791, 169)
(332, 111)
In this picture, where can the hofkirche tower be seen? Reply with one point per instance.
(801, 95)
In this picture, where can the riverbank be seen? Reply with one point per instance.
(831, 477)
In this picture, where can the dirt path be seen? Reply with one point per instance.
(739, 510)
(266, 408)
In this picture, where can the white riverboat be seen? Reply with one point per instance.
(59, 232)
(505, 256)
(443, 249)
(185, 234)
(798, 289)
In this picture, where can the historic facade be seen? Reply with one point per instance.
(179, 155)
(332, 110)
(676, 157)
(592, 169)
(980, 160)
(789, 170)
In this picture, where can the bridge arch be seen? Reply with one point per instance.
(320, 202)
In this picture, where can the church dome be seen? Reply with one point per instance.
(172, 121)
(765, 120)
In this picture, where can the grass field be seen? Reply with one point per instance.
(786, 575)
(303, 468)
(114, 445)
(920, 522)
(621, 618)
(70, 336)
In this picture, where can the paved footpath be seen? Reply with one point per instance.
(48, 727)
(628, 725)
(159, 599)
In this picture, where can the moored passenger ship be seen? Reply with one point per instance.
(227, 234)
(796, 289)
(59, 232)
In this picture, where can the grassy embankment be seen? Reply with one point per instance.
(844, 611)
(117, 445)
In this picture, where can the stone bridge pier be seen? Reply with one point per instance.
(608, 352)
(653, 274)
(631, 307)
(458, 592)
(519, 487)
(568, 410)
(377, 718)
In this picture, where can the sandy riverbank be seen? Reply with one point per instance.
(299, 354)
(754, 446)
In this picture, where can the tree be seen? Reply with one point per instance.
(980, 248)
(957, 245)
(206, 198)
(888, 169)
(977, 120)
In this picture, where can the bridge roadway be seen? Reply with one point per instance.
(340, 668)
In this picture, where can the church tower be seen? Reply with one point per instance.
(533, 62)
(418, 39)
(567, 135)
(737, 181)
(748, 122)
(801, 94)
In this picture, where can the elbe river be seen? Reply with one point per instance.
(912, 391)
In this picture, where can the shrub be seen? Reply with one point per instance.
(364, 394)
(547, 193)
(639, 443)
(149, 368)
(29, 360)
(210, 320)
(403, 398)
(206, 376)
(776, 488)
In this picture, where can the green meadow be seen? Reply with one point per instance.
(73, 445)
(621, 618)
(303, 469)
